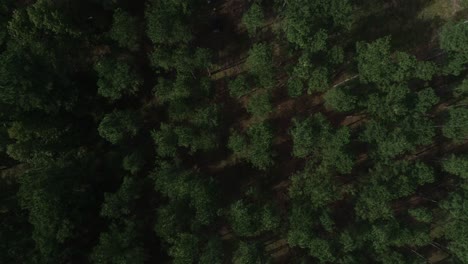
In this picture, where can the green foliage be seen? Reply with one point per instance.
(456, 229)
(321, 249)
(239, 87)
(83, 200)
(33, 83)
(373, 61)
(340, 99)
(301, 233)
(456, 126)
(167, 22)
(421, 214)
(15, 229)
(315, 137)
(389, 141)
(248, 253)
(260, 105)
(456, 165)
(238, 144)
(134, 162)
(125, 30)
(253, 18)
(187, 187)
(256, 147)
(119, 246)
(60, 207)
(116, 79)
(336, 55)
(319, 80)
(165, 140)
(453, 37)
(185, 249)
(317, 186)
(295, 87)
(387, 183)
(119, 204)
(376, 64)
(183, 59)
(250, 220)
(195, 139)
(167, 91)
(260, 149)
(212, 252)
(260, 64)
(118, 126)
(303, 19)
(426, 100)
(49, 16)
(461, 90)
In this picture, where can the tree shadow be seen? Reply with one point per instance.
(397, 18)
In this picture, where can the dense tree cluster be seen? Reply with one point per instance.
(121, 141)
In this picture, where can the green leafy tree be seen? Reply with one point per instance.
(315, 137)
(133, 162)
(387, 183)
(314, 185)
(119, 204)
(456, 165)
(116, 79)
(250, 220)
(195, 139)
(461, 90)
(165, 140)
(303, 19)
(60, 202)
(389, 142)
(456, 126)
(319, 80)
(421, 214)
(249, 253)
(167, 22)
(373, 61)
(253, 18)
(336, 55)
(322, 250)
(167, 91)
(119, 246)
(340, 99)
(456, 227)
(260, 105)
(453, 37)
(15, 229)
(187, 187)
(185, 249)
(377, 65)
(118, 126)
(238, 144)
(125, 30)
(239, 87)
(260, 148)
(260, 64)
(426, 100)
(295, 87)
(255, 147)
(212, 252)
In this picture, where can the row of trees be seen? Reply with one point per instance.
(116, 146)
(392, 92)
